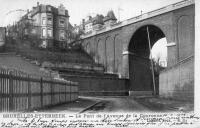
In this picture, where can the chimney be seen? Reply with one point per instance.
(38, 3)
(83, 21)
(83, 24)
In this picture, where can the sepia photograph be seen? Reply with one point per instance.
(99, 63)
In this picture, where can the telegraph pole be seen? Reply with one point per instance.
(152, 69)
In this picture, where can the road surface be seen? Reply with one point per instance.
(116, 104)
(99, 104)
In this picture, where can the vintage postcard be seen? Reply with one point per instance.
(99, 63)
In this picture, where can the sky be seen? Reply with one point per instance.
(159, 50)
(79, 9)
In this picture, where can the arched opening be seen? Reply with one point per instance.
(140, 66)
(100, 51)
(110, 48)
(159, 52)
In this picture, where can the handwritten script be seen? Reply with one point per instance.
(54, 120)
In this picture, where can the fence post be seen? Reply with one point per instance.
(41, 91)
(1, 91)
(65, 91)
(29, 93)
(10, 91)
(52, 95)
(70, 91)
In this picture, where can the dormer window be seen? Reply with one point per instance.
(61, 10)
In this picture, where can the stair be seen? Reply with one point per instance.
(76, 66)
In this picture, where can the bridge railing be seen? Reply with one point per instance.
(143, 16)
(160, 11)
(20, 91)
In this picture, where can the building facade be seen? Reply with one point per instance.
(50, 25)
(98, 22)
(47, 24)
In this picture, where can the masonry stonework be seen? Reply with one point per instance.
(113, 48)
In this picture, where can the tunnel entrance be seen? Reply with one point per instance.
(140, 66)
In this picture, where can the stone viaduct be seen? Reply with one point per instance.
(123, 49)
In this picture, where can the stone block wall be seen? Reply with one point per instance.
(177, 82)
(100, 85)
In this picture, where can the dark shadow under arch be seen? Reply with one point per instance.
(140, 75)
(139, 41)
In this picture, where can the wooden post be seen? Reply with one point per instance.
(65, 91)
(70, 91)
(10, 91)
(41, 91)
(29, 93)
(1, 90)
(52, 95)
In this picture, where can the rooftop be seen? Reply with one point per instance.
(110, 16)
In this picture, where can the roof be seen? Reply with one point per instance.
(89, 20)
(110, 16)
(70, 26)
(98, 19)
(47, 9)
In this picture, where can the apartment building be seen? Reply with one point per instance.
(48, 24)
(99, 22)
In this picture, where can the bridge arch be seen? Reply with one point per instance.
(118, 54)
(140, 74)
(184, 34)
(100, 51)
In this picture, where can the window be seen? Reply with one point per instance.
(49, 8)
(49, 32)
(62, 22)
(62, 35)
(43, 32)
(44, 44)
(43, 21)
(49, 20)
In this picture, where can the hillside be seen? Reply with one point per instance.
(75, 60)
(12, 61)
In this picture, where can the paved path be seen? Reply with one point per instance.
(74, 107)
(119, 104)
(116, 104)
(99, 104)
